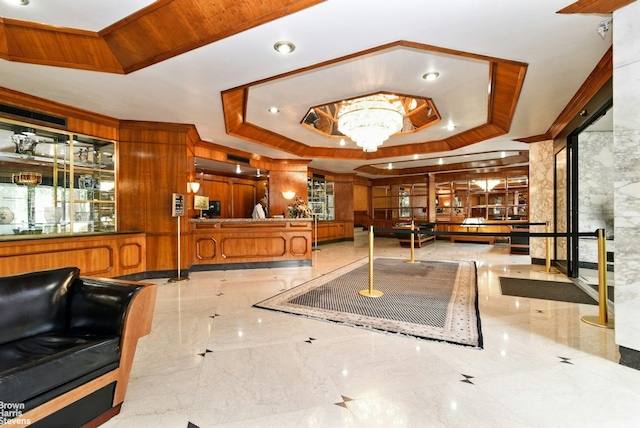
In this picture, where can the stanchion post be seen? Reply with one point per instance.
(412, 244)
(602, 320)
(370, 292)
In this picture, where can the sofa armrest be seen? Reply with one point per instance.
(99, 306)
(127, 304)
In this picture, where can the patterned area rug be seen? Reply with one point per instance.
(432, 300)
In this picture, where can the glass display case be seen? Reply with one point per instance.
(321, 198)
(54, 182)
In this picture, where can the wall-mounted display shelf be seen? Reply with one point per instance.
(55, 182)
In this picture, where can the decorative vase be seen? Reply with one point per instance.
(6, 215)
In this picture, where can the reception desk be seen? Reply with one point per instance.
(240, 243)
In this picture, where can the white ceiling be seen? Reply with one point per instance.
(560, 50)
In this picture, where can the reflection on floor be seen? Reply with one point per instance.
(214, 361)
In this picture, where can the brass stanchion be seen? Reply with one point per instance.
(548, 268)
(370, 292)
(412, 243)
(602, 320)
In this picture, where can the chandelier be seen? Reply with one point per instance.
(371, 120)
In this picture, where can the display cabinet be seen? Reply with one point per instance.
(400, 202)
(54, 182)
(321, 196)
(491, 199)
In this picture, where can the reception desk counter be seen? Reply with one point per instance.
(240, 243)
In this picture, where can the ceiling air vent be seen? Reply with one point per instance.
(33, 116)
(238, 159)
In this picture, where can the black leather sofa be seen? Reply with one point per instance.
(66, 346)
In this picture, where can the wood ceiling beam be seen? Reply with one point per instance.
(506, 79)
(595, 6)
(600, 75)
(520, 158)
(59, 47)
(162, 30)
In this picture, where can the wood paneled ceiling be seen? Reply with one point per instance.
(504, 75)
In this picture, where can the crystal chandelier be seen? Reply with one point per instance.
(371, 120)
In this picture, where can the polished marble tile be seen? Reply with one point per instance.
(213, 360)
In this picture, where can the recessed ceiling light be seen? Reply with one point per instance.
(430, 76)
(274, 110)
(416, 156)
(450, 127)
(284, 47)
(342, 142)
(390, 166)
(440, 161)
(238, 170)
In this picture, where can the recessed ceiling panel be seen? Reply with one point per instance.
(460, 91)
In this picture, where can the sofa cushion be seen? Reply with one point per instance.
(34, 303)
(37, 364)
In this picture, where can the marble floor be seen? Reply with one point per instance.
(214, 361)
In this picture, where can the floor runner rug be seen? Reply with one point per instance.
(545, 290)
(431, 300)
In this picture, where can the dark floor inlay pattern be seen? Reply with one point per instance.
(565, 360)
(311, 339)
(214, 315)
(467, 379)
(205, 352)
(344, 402)
(190, 425)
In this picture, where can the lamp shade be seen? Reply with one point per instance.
(288, 194)
(193, 186)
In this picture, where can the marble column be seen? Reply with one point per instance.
(626, 105)
(541, 189)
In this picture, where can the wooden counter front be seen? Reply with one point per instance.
(104, 255)
(285, 242)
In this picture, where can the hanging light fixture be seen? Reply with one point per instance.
(371, 120)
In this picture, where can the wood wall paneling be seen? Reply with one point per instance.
(244, 198)
(281, 180)
(78, 121)
(217, 189)
(154, 164)
(343, 200)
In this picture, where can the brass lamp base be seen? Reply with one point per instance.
(182, 278)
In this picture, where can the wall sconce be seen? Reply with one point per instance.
(193, 187)
(288, 194)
